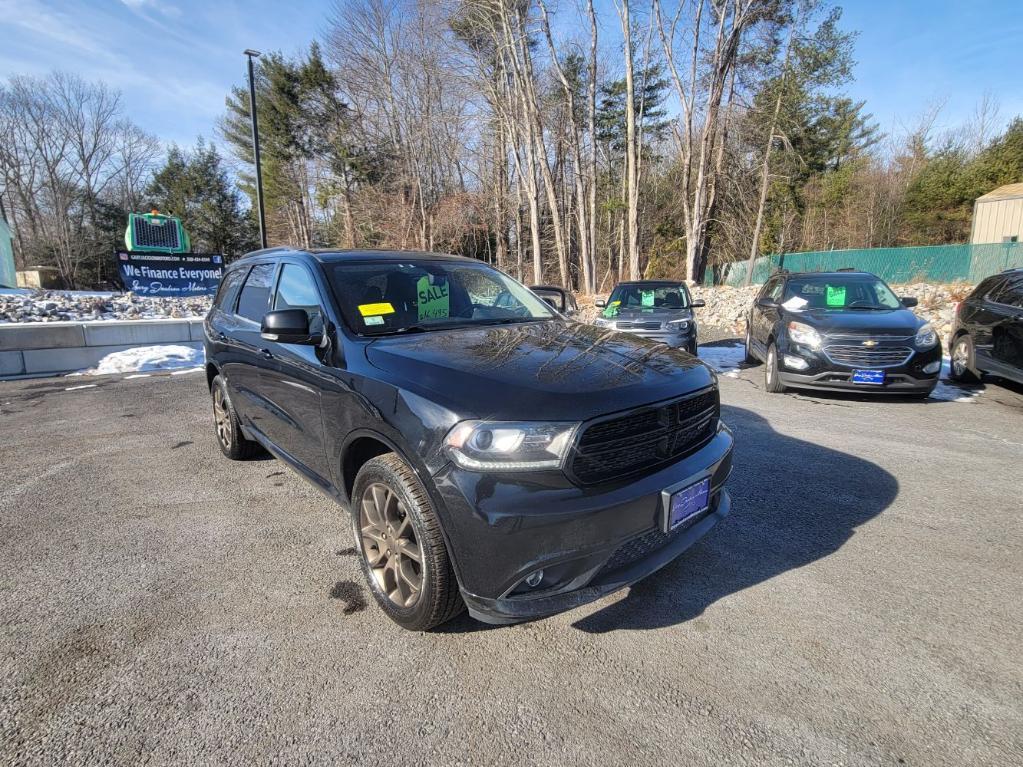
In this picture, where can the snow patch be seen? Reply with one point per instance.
(726, 360)
(950, 392)
(144, 358)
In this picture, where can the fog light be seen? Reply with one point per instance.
(794, 362)
(533, 579)
(932, 367)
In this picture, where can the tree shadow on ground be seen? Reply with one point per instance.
(793, 503)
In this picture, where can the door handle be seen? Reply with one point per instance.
(266, 354)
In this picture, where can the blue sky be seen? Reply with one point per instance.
(175, 60)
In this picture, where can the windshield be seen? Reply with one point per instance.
(836, 292)
(650, 298)
(384, 297)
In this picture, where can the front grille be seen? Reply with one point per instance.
(646, 544)
(645, 439)
(637, 325)
(859, 356)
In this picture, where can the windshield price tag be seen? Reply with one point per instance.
(434, 302)
(835, 295)
(367, 310)
(646, 298)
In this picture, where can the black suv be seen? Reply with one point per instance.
(493, 454)
(987, 334)
(657, 309)
(841, 330)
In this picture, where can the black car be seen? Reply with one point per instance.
(987, 333)
(661, 310)
(558, 297)
(841, 330)
(493, 454)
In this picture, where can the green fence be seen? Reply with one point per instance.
(933, 263)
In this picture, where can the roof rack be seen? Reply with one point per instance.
(847, 269)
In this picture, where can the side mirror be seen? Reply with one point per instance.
(908, 301)
(287, 326)
(767, 303)
(600, 303)
(698, 303)
(550, 302)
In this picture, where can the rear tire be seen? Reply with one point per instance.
(961, 367)
(227, 427)
(771, 380)
(394, 523)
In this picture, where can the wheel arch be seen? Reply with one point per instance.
(212, 371)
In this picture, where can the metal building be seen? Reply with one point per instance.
(998, 216)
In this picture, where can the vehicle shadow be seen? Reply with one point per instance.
(793, 503)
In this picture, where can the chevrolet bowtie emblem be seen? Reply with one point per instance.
(870, 342)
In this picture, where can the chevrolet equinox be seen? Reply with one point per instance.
(493, 453)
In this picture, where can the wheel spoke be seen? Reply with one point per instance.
(408, 549)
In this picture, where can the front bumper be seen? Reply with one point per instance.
(823, 373)
(674, 339)
(588, 541)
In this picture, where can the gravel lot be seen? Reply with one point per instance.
(160, 604)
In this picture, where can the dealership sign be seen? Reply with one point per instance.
(169, 274)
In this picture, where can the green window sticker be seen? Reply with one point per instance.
(611, 310)
(835, 295)
(646, 297)
(433, 298)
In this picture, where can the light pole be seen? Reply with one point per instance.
(251, 54)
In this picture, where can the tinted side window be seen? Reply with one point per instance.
(254, 301)
(774, 291)
(296, 290)
(228, 290)
(1012, 293)
(988, 288)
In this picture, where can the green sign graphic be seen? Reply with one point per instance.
(433, 299)
(835, 295)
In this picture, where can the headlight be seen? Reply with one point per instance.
(600, 322)
(509, 445)
(926, 337)
(802, 333)
(679, 325)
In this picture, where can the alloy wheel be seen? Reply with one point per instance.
(389, 544)
(221, 417)
(769, 367)
(960, 359)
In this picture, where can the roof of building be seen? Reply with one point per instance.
(1007, 192)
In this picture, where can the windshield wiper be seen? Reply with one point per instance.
(868, 307)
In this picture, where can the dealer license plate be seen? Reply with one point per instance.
(688, 502)
(875, 377)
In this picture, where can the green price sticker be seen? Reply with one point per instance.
(433, 300)
(611, 310)
(835, 295)
(646, 297)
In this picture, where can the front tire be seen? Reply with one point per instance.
(232, 441)
(403, 555)
(771, 380)
(961, 366)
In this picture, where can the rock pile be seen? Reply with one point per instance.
(56, 306)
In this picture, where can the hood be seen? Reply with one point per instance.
(537, 371)
(637, 314)
(893, 322)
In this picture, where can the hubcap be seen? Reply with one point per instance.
(389, 544)
(960, 358)
(221, 417)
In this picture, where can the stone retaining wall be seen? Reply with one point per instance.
(38, 349)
